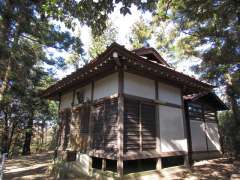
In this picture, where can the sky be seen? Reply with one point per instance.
(123, 25)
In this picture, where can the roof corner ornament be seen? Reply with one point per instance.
(116, 58)
(115, 54)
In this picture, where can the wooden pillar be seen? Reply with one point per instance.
(220, 133)
(73, 98)
(90, 118)
(140, 127)
(189, 137)
(159, 164)
(158, 137)
(187, 162)
(90, 126)
(205, 125)
(58, 130)
(103, 164)
(120, 123)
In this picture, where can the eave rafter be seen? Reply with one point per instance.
(106, 61)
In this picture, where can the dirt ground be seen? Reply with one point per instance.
(36, 167)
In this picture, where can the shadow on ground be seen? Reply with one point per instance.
(36, 167)
(28, 167)
(221, 168)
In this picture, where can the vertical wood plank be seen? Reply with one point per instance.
(120, 122)
(158, 136)
(205, 125)
(104, 125)
(140, 127)
(91, 118)
(189, 136)
(73, 99)
(187, 160)
(103, 164)
(59, 129)
(92, 91)
(220, 134)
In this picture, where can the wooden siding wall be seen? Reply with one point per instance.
(64, 128)
(140, 128)
(131, 125)
(104, 131)
(79, 128)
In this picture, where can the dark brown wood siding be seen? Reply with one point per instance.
(110, 125)
(97, 130)
(79, 128)
(131, 125)
(139, 126)
(148, 126)
(104, 132)
(64, 128)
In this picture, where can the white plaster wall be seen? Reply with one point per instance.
(106, 87)
(198, 136)
(172, 129)
(139, 86)
(212, 136)
(86, 91)
(66, 100)
(169, 94)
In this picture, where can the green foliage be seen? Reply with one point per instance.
(141, 32)
(27, 28)
(208, 30)
(100, 43)
(230, 133)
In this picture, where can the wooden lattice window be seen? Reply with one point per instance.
(80, 97)
(209, 114)
(195, 112)
(148, 123)
(139, 125)
(104, 128)
(201, 112)
(84, 115)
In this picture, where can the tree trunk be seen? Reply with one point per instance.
(232, 98)
(5, 134)
(42, 135)
(10, 137)
(4, 86)
(28, 137)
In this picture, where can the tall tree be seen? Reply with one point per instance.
(99, 43)
(141, 31)
(32, 20)
(210, 30)
(26, 29)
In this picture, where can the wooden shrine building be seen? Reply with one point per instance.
(129, 110)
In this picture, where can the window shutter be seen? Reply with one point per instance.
(131, 125)
(148, 122)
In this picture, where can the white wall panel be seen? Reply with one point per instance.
(171, 129)
(66, 100)
(139, 86)
(106, 87)
(198, 136)
(212, 136)
(169, 94)
(86, 92)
